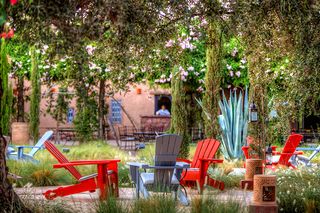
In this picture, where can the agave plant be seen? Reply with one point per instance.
(233, 122)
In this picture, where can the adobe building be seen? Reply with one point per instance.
(138, 105)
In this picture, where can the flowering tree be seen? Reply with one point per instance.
(283, 58)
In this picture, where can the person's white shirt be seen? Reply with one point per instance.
(163, 112)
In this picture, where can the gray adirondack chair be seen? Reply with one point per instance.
(20, 155)
(165, 175)
(304, 160)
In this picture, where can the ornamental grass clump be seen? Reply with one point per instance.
(298, 190)
(217, 206)
(111, 205)
(36, 205)
(156, 204)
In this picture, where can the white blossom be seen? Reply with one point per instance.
(191, 68)
(90, 49)
(243, 61)
(238, 74)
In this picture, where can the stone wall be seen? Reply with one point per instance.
(154, 122)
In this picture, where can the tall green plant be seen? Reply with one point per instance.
(180, 112)
(6, 102)
(233, 122)
(213, 79)
(35, 96)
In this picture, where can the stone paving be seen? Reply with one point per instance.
(86, 202)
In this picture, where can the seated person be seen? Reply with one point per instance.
(163, 111)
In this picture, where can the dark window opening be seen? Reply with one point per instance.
(162, 100)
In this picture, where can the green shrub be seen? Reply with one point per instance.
(41, 174)
(44, 177)
(298, 190)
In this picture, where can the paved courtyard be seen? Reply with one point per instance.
(86, 202)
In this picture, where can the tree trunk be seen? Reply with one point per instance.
(258, 95)
(181, 112)
(20, 102)
(213, 79)
(35, 96)
(102, 93)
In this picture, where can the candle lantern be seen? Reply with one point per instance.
(269, 155)
(253, 112)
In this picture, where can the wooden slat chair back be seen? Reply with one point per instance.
(40, 143)
(289, 148)
(167, 150)
(292, 143)
(62, 159)
(205, 149)
(203, 157)
(20, 153)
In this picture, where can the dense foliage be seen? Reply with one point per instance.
(35, 96)
(6, 98)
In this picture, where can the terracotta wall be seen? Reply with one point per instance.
(136, 105)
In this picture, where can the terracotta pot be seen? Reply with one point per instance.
(264, 189)
(253, 167)
(139, 91)
(20, 133)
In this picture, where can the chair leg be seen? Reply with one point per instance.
(87, 185)
(215, 183)
(103, 181)
(182, 197)
(113, 180)
(143, 189)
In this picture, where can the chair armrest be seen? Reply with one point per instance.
(211, 160)
(137, 164)
(298, 153)
(185, 166)
(85, 162)
(184, 160)
(182, 164)
(40, 147)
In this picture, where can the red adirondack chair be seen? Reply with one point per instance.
(289, 149)
(204, 156)
(105, 178)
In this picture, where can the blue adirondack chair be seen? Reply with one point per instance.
(20, 155)
(166, 172)
(304, 160)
